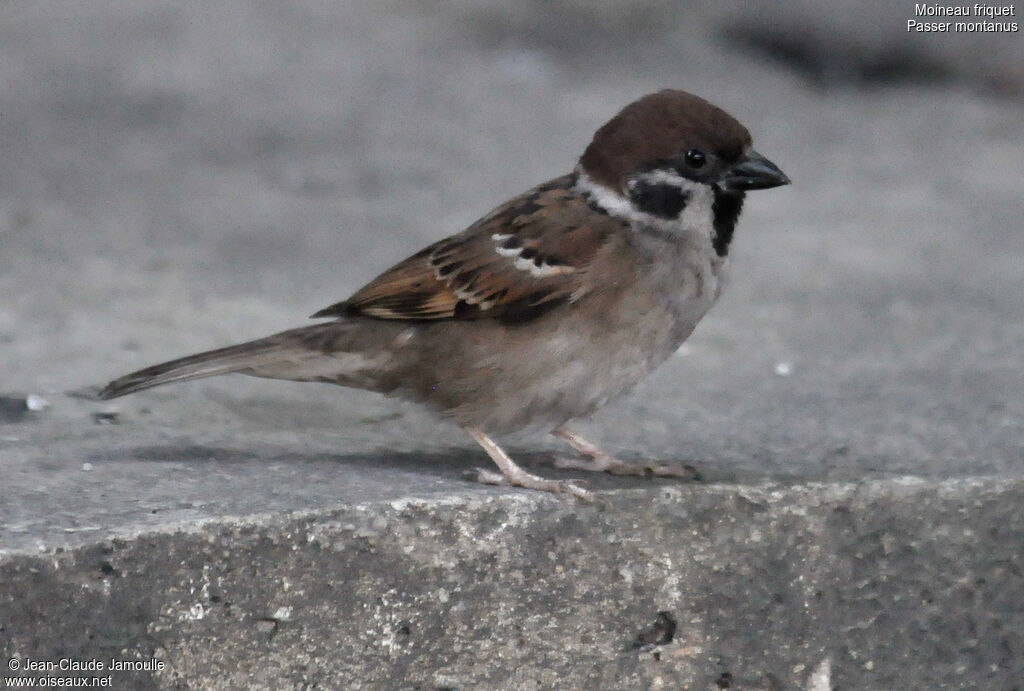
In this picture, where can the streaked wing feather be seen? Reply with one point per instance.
(525, 257)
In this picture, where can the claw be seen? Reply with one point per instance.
(485, 477)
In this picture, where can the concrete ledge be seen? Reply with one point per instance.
(176, 177)
(883, 584)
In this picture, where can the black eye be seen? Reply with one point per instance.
(695, 158)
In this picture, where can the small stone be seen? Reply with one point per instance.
(821, 678)
(105, 418)
(661, 632)
(36, 403)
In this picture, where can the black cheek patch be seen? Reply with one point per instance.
(658, 199)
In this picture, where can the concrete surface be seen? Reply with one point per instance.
(175, 178)
(764, 585)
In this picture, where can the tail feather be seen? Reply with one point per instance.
(235, 358)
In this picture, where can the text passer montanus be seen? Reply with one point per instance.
(548, 307)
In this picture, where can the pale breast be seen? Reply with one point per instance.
(570, 362)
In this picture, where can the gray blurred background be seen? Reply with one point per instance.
(181, 176)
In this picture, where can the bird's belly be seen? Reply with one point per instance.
(509, 379)
(563, 365)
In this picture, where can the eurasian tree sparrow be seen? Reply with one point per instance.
(549, 306)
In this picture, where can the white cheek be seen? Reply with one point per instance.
(666, 178)
(608, 199)
(699, 198)
(696, 216)
(698, 211)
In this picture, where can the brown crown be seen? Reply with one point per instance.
(660, 127)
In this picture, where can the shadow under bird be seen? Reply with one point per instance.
(549, 306)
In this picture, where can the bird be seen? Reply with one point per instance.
(545, 309)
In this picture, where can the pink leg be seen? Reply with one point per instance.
(514, 474)
(600, 461)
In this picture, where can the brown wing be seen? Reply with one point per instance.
(522, 259)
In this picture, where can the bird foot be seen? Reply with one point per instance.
(599, 461)
(610, 464)
(528, 480)
(513, 474)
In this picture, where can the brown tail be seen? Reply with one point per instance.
(249, 358)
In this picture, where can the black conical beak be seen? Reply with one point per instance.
(754, 172)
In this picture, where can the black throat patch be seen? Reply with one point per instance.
(658, 198)
(726, 211)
